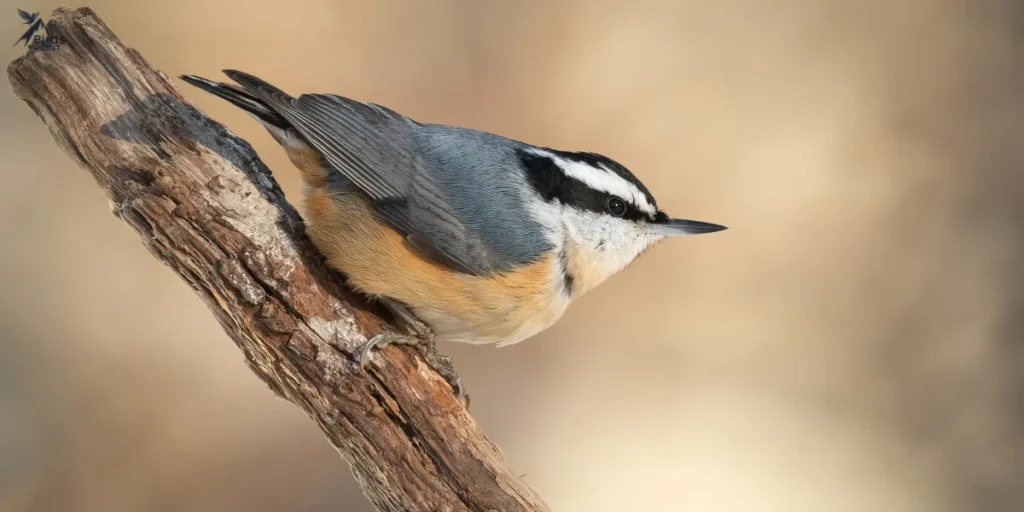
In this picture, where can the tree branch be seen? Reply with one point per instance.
(206, 206)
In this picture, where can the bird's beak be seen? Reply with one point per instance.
(674, 227)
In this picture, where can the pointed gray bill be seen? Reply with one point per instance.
(686, 227)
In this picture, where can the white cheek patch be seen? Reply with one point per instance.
(606, 181)
(610, 243)
(549, 216)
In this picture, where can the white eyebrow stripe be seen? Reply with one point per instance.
(604, 180)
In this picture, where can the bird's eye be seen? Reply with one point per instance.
(616, 207)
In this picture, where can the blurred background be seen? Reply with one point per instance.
(853, 342)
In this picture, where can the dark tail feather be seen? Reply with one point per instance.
(256, 85)
(239, 98)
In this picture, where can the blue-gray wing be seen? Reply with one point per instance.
(414, 180)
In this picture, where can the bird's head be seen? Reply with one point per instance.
(606, 215)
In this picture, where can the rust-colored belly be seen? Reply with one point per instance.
(503, 309)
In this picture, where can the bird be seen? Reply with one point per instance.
(29, 18)
(32, 19)
(466, 235)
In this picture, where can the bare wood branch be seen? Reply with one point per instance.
(206, 206)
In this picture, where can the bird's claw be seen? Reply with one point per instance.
(440, 363)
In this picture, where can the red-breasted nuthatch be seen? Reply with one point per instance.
(483, 238)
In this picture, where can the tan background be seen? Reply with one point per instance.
(852, 343)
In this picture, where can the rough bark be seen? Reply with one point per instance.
(206, 206)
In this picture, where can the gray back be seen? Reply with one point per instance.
(457, 195)
(484, 185)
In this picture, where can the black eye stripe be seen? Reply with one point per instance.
(599, 161)
(548, 179)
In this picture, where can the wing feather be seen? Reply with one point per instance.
(372, 146)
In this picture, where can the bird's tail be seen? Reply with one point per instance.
(239, 98)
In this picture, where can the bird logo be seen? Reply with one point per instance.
(33, 21)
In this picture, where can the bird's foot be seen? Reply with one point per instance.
(421, 337)
(440, 363)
